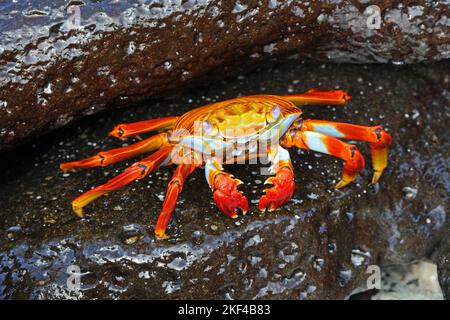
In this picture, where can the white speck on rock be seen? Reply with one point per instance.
(131, 47)
(298, 12)
(321, 18)
(270, 48)
(239, 7)
(48, 88)
(273, 4)
(167, 65)
(170, 286)
(313, 196)
(253, 241)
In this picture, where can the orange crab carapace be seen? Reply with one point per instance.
(231, 131)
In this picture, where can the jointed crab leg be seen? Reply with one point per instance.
(131, 129)
(314, 96)
(173, 189)
(283, 182)
(115, 155)
(234, 131)
(378, 138)
(226, 195)
(309, 140)
(136, 171)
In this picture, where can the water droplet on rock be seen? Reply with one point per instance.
(409, 193)
(311, 289)
(318, 264)
(226, 291)
(198, 237)
(168, 65)
(131, 234)
(323, 228)
(349, 216)
(299, 274)
(344, 277)
(48, 88)
(131, 47)
(14, 232)
(359, 257)
(331, 247)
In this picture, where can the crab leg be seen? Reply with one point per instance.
(309, 140)
(125, 130)
(315, 96)
(283, 181)
(136, 171)
(226, 195)
(115, 155)
(175, 186)
(378, 138)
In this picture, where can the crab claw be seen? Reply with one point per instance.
(282, 190)
(227, 197)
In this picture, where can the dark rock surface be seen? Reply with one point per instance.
(318, 246)
(61, 60)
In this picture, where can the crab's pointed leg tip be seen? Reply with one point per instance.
(346, 179)
(161, 235)
(341, 184)
(262, 206)
(244, 205)
(64, 167)
(78, 210)
(376, 177)
(272, 207)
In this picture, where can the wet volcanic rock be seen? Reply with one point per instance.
(61, 60)
(318, 246)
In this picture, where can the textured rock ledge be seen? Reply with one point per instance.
(318, 246)
(61, 60)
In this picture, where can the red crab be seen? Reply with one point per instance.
(231, 131)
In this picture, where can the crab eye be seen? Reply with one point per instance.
(274, 114)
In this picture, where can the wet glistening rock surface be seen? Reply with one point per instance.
(318, 246)
(61, 60)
